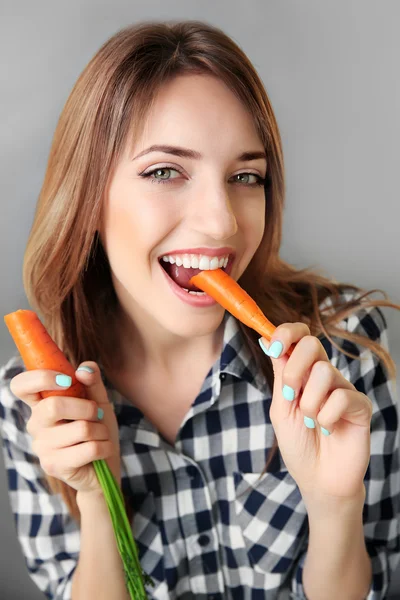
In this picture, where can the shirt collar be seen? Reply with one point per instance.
(235, 360)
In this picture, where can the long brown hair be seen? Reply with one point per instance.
(66, 273)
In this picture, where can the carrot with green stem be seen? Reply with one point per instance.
(228, 293)
(39, 351)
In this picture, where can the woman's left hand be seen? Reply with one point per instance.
(324, 432)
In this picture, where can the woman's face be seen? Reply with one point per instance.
(198, 208)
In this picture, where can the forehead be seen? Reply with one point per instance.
(197, 111)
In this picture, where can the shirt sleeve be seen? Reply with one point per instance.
(48, 536)
(382, 479)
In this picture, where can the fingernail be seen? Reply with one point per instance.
(309, 422)
(63, 380)
(274, 350)
(85, 368)
(325, 431)
(288, 393)
(263, 348)
(100, 413)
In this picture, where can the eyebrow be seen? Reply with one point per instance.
(193, 154)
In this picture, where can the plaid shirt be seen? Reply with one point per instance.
(200, 531)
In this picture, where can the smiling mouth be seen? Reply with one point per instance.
(181, 268)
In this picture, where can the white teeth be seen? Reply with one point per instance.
(197, 261)
(204, 263)
(193, 292)
(214, 263)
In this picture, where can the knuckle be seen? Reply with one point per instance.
(341, 396)
(94, 448)
(18, 384)
(303, 327)
(84, 429)
(53, 406)
(44, 379)
(323, 369)
(311, 343)
(14, 385)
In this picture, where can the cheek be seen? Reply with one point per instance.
(251, 221)
(134, 224)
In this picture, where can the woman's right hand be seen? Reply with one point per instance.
(67, 433)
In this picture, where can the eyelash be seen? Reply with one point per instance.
(260, 180)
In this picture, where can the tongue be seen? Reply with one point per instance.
(181, 276)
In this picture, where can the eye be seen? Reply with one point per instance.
(258, 179)
(160, 171)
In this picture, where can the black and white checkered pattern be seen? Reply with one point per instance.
(203, 528)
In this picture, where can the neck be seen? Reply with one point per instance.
(150, 348)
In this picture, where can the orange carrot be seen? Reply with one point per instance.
(228, 293)
(39, 351)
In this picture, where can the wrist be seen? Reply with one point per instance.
(322, 506)
(91, 498)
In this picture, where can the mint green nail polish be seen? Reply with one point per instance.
(263, 348)
(63, 380)
(309, 422)
(325, 431)
(288, 393)
(275, 349)
(100, 413)
(85, 368)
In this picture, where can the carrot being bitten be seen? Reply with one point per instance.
(228, 293)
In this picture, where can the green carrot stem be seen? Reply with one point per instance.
(135, 577)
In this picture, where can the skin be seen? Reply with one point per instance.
(328, 470)
(203, 207)
(206, 205)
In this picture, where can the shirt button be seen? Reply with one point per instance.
(191, 471)
(222, 376)
(203, 540)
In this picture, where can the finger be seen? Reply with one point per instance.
(89, 374)
(64, 461)
(307, 351)
(28, 385)
(284, 336)
(49, 411)
(323, 379)
(350, 405)
(69, 434)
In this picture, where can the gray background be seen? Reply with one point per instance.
(331, 71)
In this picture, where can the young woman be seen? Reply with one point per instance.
(247, 474)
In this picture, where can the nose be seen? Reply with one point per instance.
(212, 213)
